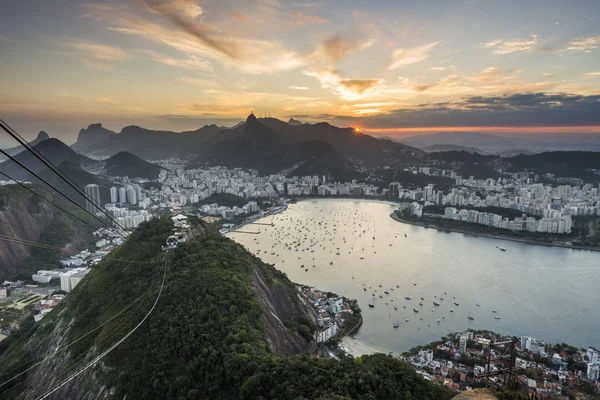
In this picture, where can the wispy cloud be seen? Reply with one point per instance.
(335, 48)
(448, 81)
(492, 74)
(98, 56)
(191, 62)
(593, 74)
(101, 100)
(184, 14)
(347, 89)
(492, 43)
(293, 87)
(198, 40)
(404, 57)
(512, 46)
(583, 44)
(201, 82)
(301, 18)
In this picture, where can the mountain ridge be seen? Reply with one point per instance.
(206, 143)
(41, 136)
(52, 149)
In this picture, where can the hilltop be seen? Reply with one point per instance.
(17, 149)
(53, 149)
(130, 165)
(226, 326)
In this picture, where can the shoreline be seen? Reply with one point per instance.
(357, 347)
(493, 236)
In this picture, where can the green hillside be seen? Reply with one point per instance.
(209, 337)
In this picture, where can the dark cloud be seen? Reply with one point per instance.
(519, 110)
(183, 13)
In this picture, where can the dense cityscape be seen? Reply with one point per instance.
(283, 199)
(455, 363)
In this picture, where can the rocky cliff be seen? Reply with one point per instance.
(26, 216)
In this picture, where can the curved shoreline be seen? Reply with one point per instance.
(492, 236)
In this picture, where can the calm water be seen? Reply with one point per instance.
(544, 292)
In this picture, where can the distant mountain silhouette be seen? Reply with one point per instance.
(574, 164)
(53, 149)
(130, 165)
(497, 144)
(149, 144)
(17, 149)
(92, 136)
(450, 147)
(263, 143)
(467, 139)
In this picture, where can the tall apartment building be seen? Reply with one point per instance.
(92, 192)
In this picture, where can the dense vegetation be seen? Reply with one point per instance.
(57, 234)
(27, 216)
(206, 338)
(224, 199)
(574, 164)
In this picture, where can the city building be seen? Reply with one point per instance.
(462, 344)
(533, 345)
(92, 192)
(122, 195)
(114, 195)
(71, 278)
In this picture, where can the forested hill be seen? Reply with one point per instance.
(227, 326)
(26, 216)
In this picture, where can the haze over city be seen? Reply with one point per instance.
(389, 68)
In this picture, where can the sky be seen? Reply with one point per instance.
(388, 67)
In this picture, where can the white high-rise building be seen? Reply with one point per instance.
(92, 192)
(462, 344)
(122, 195)
(70, 279)
(114, 195)
(131, 195)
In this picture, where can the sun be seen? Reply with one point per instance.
(356, 130)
